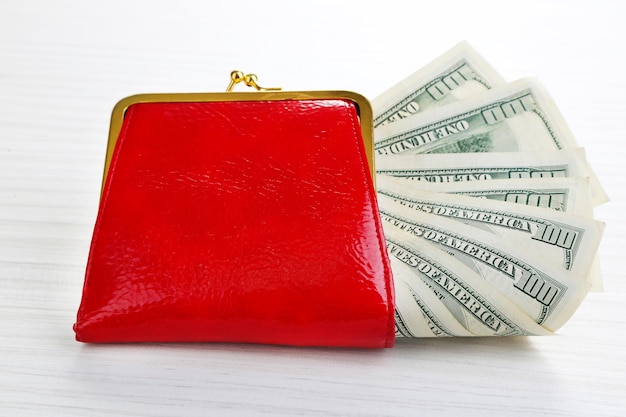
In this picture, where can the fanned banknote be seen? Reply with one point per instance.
(419, 313)
(568, 239)
(516, 117)
(445, 168)
(565, 194)
(547, 293)
(457, 74)
(487, 202)
(423, 270)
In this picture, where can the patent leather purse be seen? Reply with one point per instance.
(244, 217)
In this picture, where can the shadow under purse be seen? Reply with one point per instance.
(239, 217)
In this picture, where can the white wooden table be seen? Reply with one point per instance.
(63, 65)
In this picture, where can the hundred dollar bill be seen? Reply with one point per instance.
(446, 168)
(569, 195)
(459, 73)
(419, 313)
(423, 270)
(519, 116)
(547, 293)
(568, 239)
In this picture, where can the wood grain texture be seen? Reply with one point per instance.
(64, 64)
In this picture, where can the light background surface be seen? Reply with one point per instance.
(64, 64)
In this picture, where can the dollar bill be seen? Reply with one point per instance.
(518, 116)
(451, 168)
(547, 293)
(572, 239)
(569, 195)
(423, 270)
(566, 194)
(419, 313)
(459, 73)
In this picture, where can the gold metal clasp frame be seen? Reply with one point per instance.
(363, 108)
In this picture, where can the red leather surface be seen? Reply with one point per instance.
(239, 222)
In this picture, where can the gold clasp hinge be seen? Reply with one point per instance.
(248, 79)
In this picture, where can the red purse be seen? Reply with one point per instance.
(239, 217)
